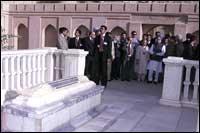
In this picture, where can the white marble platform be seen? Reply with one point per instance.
(50, 106)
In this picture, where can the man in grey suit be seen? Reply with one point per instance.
(63, 39)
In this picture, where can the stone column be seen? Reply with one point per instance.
(180, 28)
(172, 81)
(135, 26)
(34, 27)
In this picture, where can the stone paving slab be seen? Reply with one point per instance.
(133, 115)
(123, 125)
(87, 129)
(133, 106)
(149, 124)
(143, 107)
(166, 114)
(99, 121)
(188, 120)
(108, 115)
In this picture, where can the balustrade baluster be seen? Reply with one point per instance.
(34, 69)
(43, 68)
(187, 84)
(6, 74)
(38, 77)
(2, 74)
(24, 72)
(196, 86)
(19, 72)
(12, 72)
(49, 66)
(29, 71)
(62, 65)
(65, 66)
(57, 68)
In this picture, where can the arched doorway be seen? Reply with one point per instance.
(84, 31)
(22, 41)
(51, 36)
(152, 28)
(117, 31)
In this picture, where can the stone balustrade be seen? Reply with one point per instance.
(168, 8)
(181, 82)
(22, 69)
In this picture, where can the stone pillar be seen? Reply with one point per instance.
(34, 27)
(74, 60)
(180, 28)
(172, 81)
(98, 21)
(135, 26)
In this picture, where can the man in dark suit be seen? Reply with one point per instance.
(76, 42)
(187, 51)
(103, 45)
(89, 46)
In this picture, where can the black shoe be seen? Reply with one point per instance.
(149, 81)
(155, 82)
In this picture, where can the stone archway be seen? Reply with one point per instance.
(51, 36)
(84, 31)
(22, 41)
(152, 28)
(117, 31)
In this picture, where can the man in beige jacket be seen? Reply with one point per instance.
(63, 45)
(62, 39)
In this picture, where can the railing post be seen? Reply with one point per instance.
(74, 62)
(81, 62)
(172, 81)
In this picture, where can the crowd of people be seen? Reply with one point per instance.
(126, 57)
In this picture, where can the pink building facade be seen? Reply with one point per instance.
(38, 23)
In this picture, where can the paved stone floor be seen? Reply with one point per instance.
(133, 107)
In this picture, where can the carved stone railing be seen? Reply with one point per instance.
(181, 83)
(22, 69)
